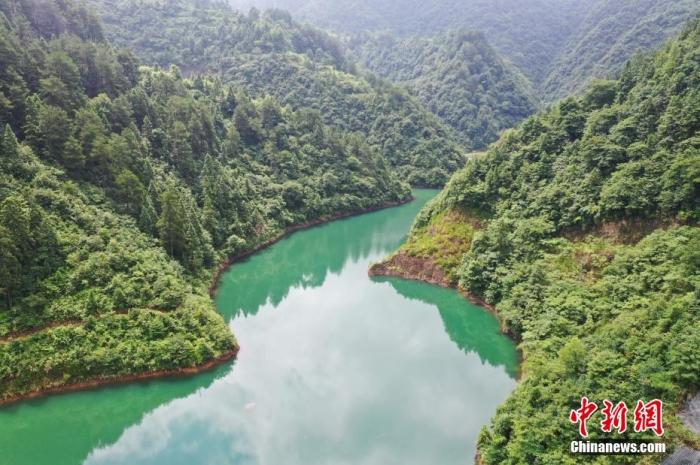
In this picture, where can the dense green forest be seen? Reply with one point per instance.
(580, 227)
(455, 74)
(610, 33)
(123, 186)
(138, 156)
(269, 54)
(527, 32)
(558, 44)
(458, 76)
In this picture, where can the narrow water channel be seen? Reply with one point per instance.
(335, 368)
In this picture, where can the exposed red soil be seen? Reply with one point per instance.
(404, 266)
(629, 231)
(421, 269)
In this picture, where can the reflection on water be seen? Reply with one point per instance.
(62, 430)
(305, 259)
(335, 368)
(470, 327)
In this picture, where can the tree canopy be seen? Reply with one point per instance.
(123, 186)
(270, 54)
(458, 77)
(581, 228)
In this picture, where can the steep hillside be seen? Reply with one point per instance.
(528, 33)
(558, 44)
(122, 187)
(270, 54)
(610, 34)
(458, 76)
(580, 229)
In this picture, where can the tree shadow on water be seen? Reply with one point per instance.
(306, 258)
(472, 328)
(64, 429)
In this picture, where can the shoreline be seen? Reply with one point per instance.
(228, 263)
(103, 382)
(390, 267)
(385, 268)
(99, 383)
(434, 276)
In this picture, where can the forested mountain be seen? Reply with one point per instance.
(558, 44)
(121, 188)
(610, 33)
(269, 54)
(458, 76)
(455, 74)
(527, 32)
(581, 229)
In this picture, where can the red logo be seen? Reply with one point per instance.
(582, 415)
(615, 417)
(647, 416)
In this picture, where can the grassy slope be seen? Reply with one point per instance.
(433, 252)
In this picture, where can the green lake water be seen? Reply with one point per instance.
(335, 368)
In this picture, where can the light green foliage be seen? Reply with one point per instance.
(606, 338)
(575, 163)
(443, 240)
(113, 346)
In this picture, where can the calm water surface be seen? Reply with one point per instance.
(335, 369)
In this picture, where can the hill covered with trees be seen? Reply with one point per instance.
(528, 33)
(270, 54)
(457, 76)
(580, 228)
(471, 87)
(123, 186)
(611, 32)
(559, 45)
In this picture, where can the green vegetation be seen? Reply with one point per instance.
(564, 200)
(528, 33)
(619, 324)
(121, 187)
(610, 33)
(113, 346)
(559, 45)
(271, 55)
(458, 76)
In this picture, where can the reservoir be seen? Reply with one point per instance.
(335, 368)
